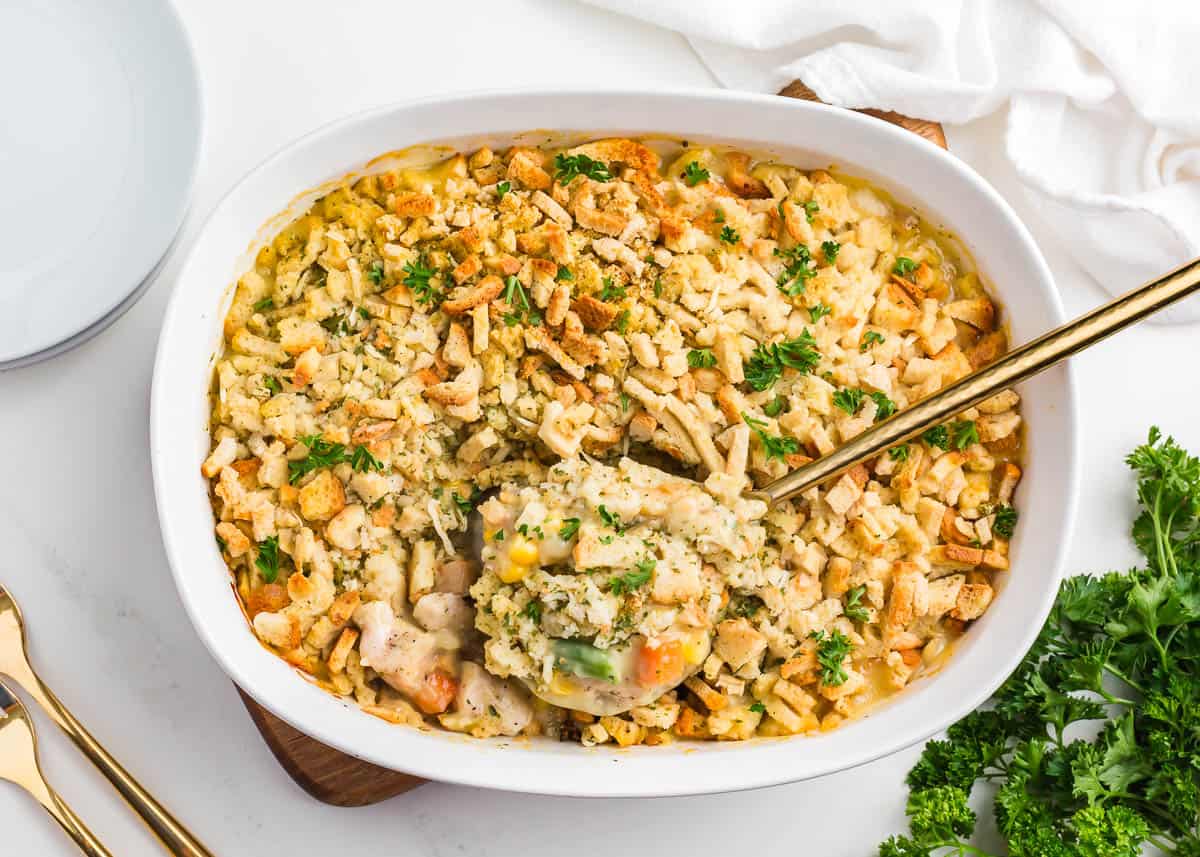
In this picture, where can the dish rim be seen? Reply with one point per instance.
(440, 755)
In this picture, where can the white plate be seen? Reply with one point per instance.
(942, 187)
(98, 150)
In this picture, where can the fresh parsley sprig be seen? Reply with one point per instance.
(567, 167)
(774, 446)
(832, 650)
(798, 269)
(633, 580)
(693, 174)
(325, 453)
(767, 362)
(267, 560)
(417, 276)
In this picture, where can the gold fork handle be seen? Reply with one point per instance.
(1017, 365)
(173, 835)
(71, 823)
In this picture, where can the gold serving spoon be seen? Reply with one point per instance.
(1016, 366)
(19, 764)
(14, 662)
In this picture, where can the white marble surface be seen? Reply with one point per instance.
(80, 540)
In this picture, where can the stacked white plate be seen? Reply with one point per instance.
(98, 151)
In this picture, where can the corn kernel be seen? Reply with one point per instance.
(513, 572)
(523, 551)
(695, 649)
(562, 685)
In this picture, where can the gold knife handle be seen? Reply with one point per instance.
(173, 835)
(1019, 364)
(71, 823)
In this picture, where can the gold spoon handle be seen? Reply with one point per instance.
(1017, 365)
(173, 835)
(71, 823)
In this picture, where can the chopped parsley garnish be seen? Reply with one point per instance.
(264, 304)
(417, 276)
(336, 325)
(774, 407)
(321, 453)
(533, 611)
(884, 406)
(810, 208)
(719, 216)
(515, 297)
(631, 580)
(871, 337)
(904, 266)
(693, 174)
(701, 358)
(798, 269)
(364, 313)
(501, 189)
(624, 401)
(375, 273)
(729, 235)
(658, 287)
(611, 291)
(745, 606)
(564, 274)
(832, 650)
(849, 399)
(570, 526)
(938, 436)
(272, 384)
(610, 519)
(767, 362)
(854, 609)
(1006, 521)
(774, 446)
(819, 312)
(267, 561)
(363, 461)
(324, 453)
(758, 707)
(622, 321)
(467, 504)
(964, 433)
(567, 167)
(830, 249)
(899, 453)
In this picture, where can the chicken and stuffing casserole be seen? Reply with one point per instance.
(602, 347)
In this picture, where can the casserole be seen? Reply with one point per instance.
(914, 171)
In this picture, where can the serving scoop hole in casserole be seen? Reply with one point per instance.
(578, 328)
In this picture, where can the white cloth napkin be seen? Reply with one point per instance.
(1104, 97)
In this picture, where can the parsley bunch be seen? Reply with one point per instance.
(1121, 651)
